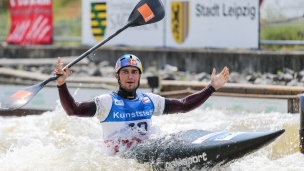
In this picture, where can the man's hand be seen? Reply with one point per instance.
(217, 81)
(63, 72)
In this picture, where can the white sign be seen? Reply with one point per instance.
(212, 23)
(102, 18)
(189, 24)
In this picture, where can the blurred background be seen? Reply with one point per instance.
(280, 20)
(66, 21)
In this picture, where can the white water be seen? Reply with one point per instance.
(54, 141)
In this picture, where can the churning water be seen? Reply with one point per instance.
(55, 141)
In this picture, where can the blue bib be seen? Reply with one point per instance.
(130, 110)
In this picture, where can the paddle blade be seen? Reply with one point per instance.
(146, 12)
(20, 98)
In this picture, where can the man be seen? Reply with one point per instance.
(125, 115)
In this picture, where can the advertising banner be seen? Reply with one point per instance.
(187, 24)
(212, 23)
(31, 22)
(102, 18)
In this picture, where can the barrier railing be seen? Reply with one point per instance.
(282, 42)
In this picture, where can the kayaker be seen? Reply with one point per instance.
(125, 115)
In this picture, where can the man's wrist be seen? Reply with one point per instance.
(211, 88)
(61, 85)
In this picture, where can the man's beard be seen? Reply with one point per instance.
(130, 88)
(129, 93)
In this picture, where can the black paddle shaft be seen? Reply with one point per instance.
(85, 54)
(135, 19)
(97, 46)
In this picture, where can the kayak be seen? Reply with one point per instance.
(197, 149)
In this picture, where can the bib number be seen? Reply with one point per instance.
(141, 127)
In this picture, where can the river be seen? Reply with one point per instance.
(55, 141)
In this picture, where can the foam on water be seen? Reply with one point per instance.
(55, 141)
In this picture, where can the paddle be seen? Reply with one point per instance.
(145, 12)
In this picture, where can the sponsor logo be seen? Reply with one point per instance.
(118, 65)
(98, 19)
(29, 2)
(217, 136)
(118, 115)
(180, 19)
(186, 161)
(146, 12)
(119, 102)
(21, 94)
(228, 136)
(131, 62)
(145, 100)
(203, 138)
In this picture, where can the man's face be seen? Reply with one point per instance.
(129, 77)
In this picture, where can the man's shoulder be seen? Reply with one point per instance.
(152, 95)
(103, 100)
(103, 96)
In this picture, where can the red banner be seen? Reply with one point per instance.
(261, 1)
(31, 22)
